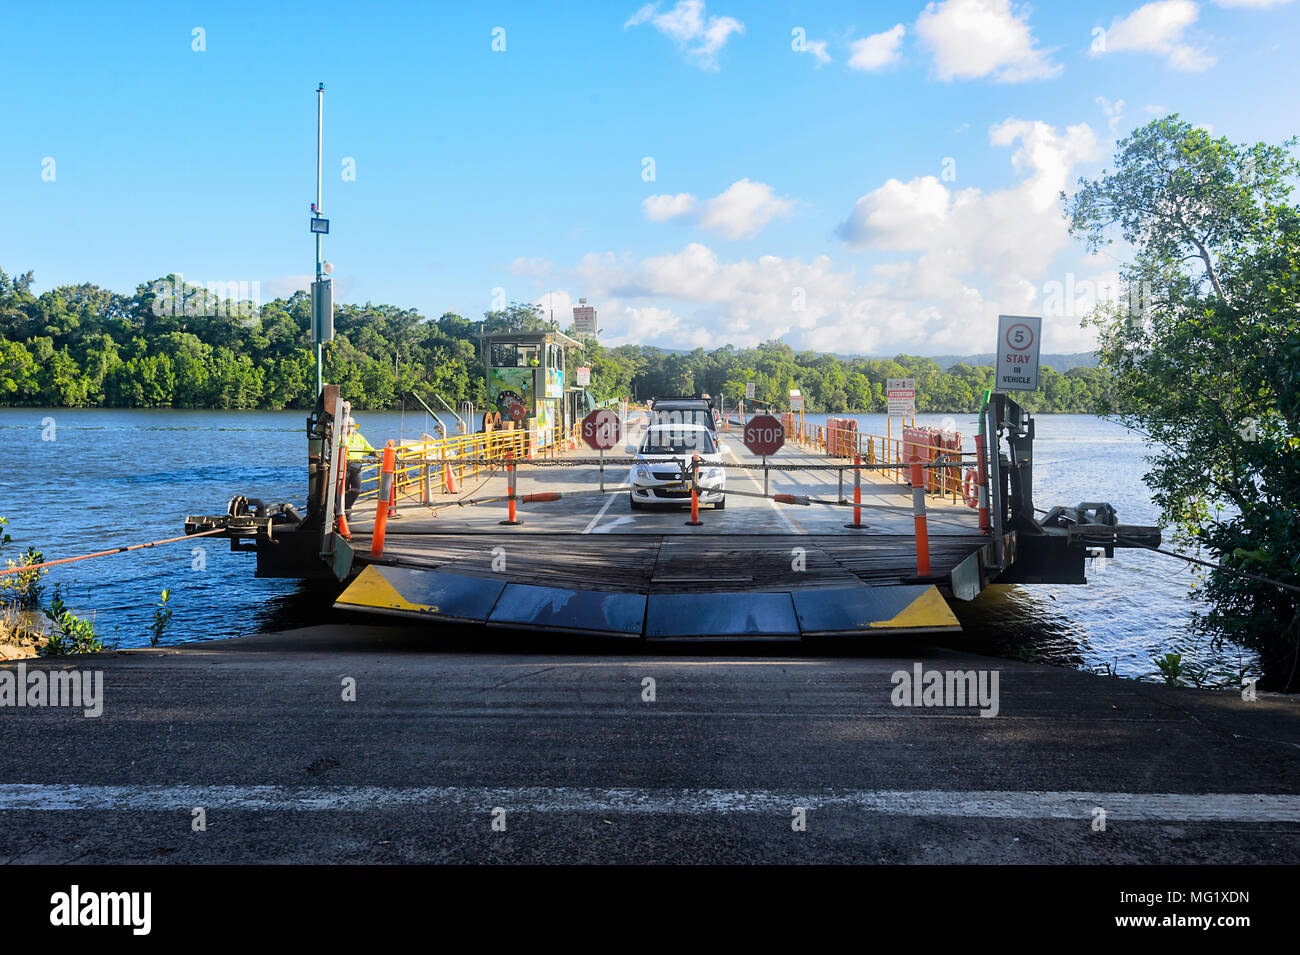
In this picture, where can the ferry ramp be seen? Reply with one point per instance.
(581, 559)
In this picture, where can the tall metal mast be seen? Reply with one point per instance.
(320, 142)
(322, 297)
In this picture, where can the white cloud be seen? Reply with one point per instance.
(651, 324)
(943, 262)
(1157, 28)
(743, 302)
(557, 304)
(1007, 238)
(741, 211)
(878, 50)
(1114, 114)
(817, 49)
(970, 39)
(537, 267)
(686, 25)
(285, 285)
(692, 298)
(899, 215)
(642, 15)
(665, 207)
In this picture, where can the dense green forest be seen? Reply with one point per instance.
(81, 345)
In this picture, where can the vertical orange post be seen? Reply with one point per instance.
(341, 494)
(385, 492)
(918, 520)
(857, 489)
(982, 489)
(510, 474)
(695, 492)
(857, 494)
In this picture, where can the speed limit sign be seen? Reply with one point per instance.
(1019, 340)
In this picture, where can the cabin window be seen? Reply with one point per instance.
(513, 356)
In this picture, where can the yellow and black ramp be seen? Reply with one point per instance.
(419, 592)
(897, 609)
(426, 593)
(436, 595)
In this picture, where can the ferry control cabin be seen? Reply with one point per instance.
(526, 374)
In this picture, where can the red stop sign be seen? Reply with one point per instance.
(764, 435)
(601, 429)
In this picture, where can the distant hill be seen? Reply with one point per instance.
(1058, 363)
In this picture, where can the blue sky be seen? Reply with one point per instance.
(881, 181)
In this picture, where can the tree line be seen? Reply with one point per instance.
(85, 346)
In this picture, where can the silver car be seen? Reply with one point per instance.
(662, 457)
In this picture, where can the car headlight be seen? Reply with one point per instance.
(713, 474)
(643, 470)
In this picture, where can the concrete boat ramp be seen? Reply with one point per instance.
(446, 733)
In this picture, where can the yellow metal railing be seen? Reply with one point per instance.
(418, 470)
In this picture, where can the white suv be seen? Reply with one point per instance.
(660, 475)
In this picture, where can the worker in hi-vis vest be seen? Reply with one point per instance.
(358, 447)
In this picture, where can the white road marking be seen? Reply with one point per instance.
(1164, 807)
(620, 521)
(604, 507)
(794, 528)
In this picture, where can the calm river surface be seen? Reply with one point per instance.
(116, 477)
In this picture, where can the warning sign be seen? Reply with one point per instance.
(900, 394)
(584, 320)
(1019, 339)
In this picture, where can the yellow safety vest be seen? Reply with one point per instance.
(358, 446)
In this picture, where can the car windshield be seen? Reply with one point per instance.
(671, 416)
(677, 441)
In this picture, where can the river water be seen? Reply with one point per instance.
(75, 481)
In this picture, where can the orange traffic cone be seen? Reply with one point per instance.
(448, 479)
